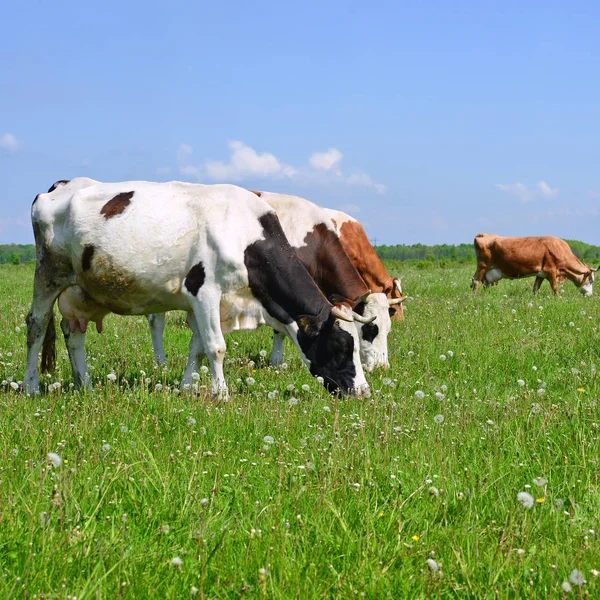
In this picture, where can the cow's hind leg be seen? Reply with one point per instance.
(277, 351)
(205, 305)
(40, 324)
(156, 323)
(553, 283)
(75, 342)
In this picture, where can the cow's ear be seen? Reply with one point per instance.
(309, 325)
(337, 299)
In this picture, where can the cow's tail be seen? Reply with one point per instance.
(49, 347)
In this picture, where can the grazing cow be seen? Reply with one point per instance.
(544, 257)
(369, 266)
(217, 252)
(312, 235)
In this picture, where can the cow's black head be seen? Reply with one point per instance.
(331, 348)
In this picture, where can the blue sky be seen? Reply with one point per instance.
(429, 122)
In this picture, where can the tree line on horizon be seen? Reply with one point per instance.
(462, 253)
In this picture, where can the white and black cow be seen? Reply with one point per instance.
(217, 252)
(312, 235)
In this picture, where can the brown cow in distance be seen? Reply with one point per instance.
(544, 257)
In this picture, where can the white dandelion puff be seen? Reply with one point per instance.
(419, 394)
(250, 380)
(433, 491)
(14, 385)
(158, 387)
(566, 587)
(176, 561)
(55, 459)
(442, 357)
(263, 353)
(268, 439)
(195, 376)
(292, 401)
(191, 421)
(576, 577)
(204, 369)
(432, 565)
(439, 418)
(540, 481)
(306, 387)
(450, 353)
(520, 382)
(105, 447)
(111, 377)
(410, 354)
(525, 499)
(326, 409)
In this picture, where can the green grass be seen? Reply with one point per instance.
(351, 497)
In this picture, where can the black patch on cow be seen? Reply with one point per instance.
(58, 184)
(393, 311)
(35, 199)
(115, 206)
(279, 281)
(195, 278)
(369, 332)
(360, 308)
(86, 257)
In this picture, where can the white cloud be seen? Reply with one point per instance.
(184, 152)
(9, 142)
(246, 163)
(352, 209)
(526, 194)
(545, 190)
(325, 160)
(362, 179)
(594, 195)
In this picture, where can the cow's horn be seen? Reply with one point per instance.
(594, 270)
(398, 283)
(363, 320)
(342, 312)
(364, 297)
(394, 301)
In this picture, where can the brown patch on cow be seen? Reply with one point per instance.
(324, 258)
(334, 223)
(58, 184)
(259, 194)
(86, 257)
(369, 266)
(116, 205)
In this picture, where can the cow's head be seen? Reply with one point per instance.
(331, 347)
(588, 280)
(396, 309)
(374, 328)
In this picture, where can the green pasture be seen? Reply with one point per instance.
(287, 492)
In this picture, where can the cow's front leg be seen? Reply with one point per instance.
(478, 277)
(75, 342)
(277, 351)
(537, 283)
(205, 305)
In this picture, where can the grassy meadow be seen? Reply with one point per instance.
(286, 492)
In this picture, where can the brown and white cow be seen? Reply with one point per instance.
(544, 257)
(369, 266)
(217, 252)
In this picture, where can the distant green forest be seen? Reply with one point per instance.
(462, 253)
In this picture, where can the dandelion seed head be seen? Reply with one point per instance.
(250, 380)
(55, 459)
(158, 387)
(105, 447)
(195, 376)
(442, 357)
(525, 499)
(520, 382)
(576, 577)
(540, 481)
(263, 353)
(410, 354)
(566, 587)
(191, 421)
(419, 394)
(306, 387)
(439, 418)
(111, 377)
(432, 565)
(450, 353)
(292, 401)
(326, 409)
(433, 491)
(268, 439)
(176, 561)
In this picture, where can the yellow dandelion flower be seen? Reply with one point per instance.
(540, 500)
(380, 514)
(415, 538)
(581, 389)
